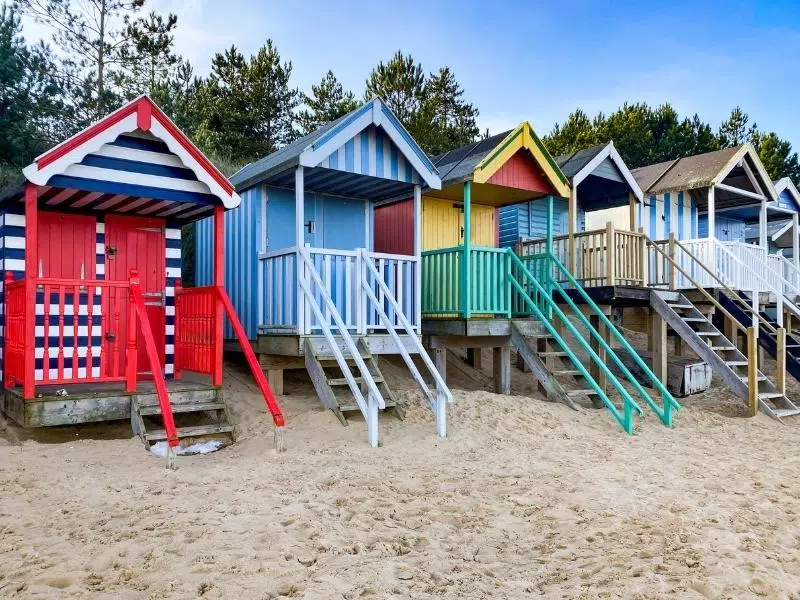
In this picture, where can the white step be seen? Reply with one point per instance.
(786, 412)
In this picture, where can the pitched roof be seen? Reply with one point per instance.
(150, 155)
(571, 164)
(688, 173)
(458, 165)
(312, 149)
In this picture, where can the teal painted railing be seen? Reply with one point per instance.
(669, 405)
(623, 415)
(488, 293)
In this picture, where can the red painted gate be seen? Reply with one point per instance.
(139, 243)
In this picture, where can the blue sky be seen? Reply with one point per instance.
(532, 60)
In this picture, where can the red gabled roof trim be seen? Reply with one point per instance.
(145, 110)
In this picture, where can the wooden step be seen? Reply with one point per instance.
(786, 412)
(553, 353)
(694, 319)
(343, 380)
(758, 378)
(770, 395)
(581, 393)
(354, 407)
(708, 333)
(184, 432)
(566, 372)
(736, 363)
(679, 306)
(182, 408)
(722, 348)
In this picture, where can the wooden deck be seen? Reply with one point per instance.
(92, 403)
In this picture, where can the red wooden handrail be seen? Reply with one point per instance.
(155, 363)
(255, 367)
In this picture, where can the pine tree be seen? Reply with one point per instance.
(149, 59)
(734, 130)
(446, 120)
(777, 156)
(328, 101)
(93, 35)
(246, 107)
(400, 83)
(30, 110)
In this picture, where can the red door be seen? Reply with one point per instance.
(139, 243)
(66, 245)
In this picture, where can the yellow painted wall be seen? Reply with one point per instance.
(442, 223)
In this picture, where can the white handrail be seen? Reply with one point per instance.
(779, 295)
(369, 408)
(792, 268)
(437, 404)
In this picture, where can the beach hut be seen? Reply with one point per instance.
(600, 183)
(303, 271)
(96, 325)
(477, 295)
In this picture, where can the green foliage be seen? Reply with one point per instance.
(432, 108)
(148, 61)
(644, 135)
(29, 95)
(328, 101)
(246, 107)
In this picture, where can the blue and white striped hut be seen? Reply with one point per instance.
(300, 265)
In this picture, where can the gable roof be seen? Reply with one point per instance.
(787, 185)
(458, 165)
(699, 171)
(311, 150)
(138, 149)
(581, 163)
(522, 137)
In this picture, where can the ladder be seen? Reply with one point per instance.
(721, 353)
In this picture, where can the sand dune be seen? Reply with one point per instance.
(524, 499)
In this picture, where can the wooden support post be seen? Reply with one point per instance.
(646, 275)
(466, 268)
(299, 237)
(502, 370)
(795, 247)
(673, 271)
(474, 358)
(572, 217)
(31, 270)
(711, 214)
(418, 255)
(440, 361)
(594, 369)
(131, 368)
(752, 371)
(762, 224)
(521, 364)
(611, 255)
(219, 282)
(658, 327)
(780, 354)
(649, 326)
(731, 331)
(680, 346)
(275, 379)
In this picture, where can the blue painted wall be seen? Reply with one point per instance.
(529, 220)
(785, 200)
(726, 229)
(340, 223)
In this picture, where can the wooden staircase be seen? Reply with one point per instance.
(552, 367)
(722, 354)
(199, 415)
(332, 385)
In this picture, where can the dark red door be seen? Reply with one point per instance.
(139, 243)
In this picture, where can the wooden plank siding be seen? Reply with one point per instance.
(521, 172)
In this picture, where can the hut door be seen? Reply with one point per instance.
(139, 243)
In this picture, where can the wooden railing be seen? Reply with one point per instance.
(341, 273)
(15, 347)
(598, 257)
(195, 329)
(485, 292)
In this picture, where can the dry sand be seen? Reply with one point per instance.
(524, 499)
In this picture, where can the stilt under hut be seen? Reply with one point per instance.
(303, 272)
(694, 216)
(96, 324)
(477, 295)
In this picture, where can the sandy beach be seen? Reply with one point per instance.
(524, 499)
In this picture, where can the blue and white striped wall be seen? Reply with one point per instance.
(12, 258)
(372, 152)
(661, 214)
